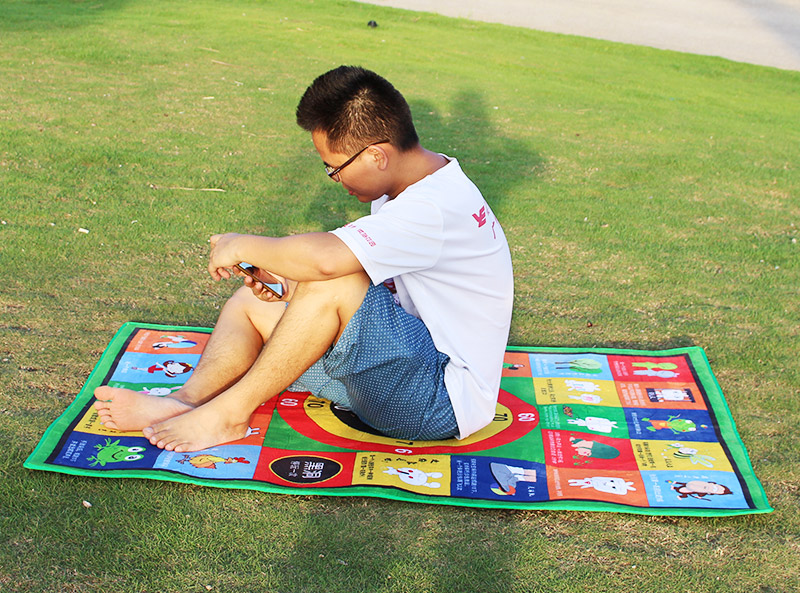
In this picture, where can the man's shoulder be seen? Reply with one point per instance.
(447, 183)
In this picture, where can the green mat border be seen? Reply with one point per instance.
(37, 460)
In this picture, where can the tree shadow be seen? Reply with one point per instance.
(496, 162)
(365, 545)
(40, 16)
(666, 343)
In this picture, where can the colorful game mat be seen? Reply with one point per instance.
(582, 429)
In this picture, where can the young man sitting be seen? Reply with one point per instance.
(419, 361)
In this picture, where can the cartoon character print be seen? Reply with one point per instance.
(587, 366)
(159, 391)
(587, 398)
(508, 476)
(586, 450)
(617, 486)
(578, 385)
(681, 452)
(170, 368)
(675, 423)
(114, 453)
(663, 370)
(414, 477)
(209, 461)
(594, 423)
(513, 366)
(670, 395)
(174, 342)
(698, 489)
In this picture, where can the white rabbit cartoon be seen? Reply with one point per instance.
(159, 391)
(594, 423)
(587, 398)
(415, 477)
(575, 385)
(604, 484)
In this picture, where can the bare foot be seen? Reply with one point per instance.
(197, 429)
(125, 409)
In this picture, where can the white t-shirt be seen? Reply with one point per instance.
(450, 262)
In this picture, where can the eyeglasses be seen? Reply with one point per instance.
(334, 171)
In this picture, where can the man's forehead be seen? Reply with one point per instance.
(320, 140)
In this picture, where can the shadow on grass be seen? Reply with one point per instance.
(377, 545)
(665, 344)
(56, 14)
(497, 163)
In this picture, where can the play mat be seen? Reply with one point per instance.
(581, 429)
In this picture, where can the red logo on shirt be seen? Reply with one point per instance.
(480, 217)
(367, 238)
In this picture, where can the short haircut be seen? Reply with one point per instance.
(354, 108)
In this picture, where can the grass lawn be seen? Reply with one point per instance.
(651, 198)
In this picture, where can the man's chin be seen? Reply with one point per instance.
(365, 199)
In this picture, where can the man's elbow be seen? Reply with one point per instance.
(326, 270)
(331, 259)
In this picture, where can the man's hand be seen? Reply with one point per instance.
(223, 255)
(263, 293)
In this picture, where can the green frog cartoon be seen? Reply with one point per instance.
(114, 453)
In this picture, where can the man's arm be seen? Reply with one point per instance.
(308, 257)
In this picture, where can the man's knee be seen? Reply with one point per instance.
(342, 296)
(242, 300)
(262, 315)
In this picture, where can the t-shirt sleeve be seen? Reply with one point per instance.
(403, 236)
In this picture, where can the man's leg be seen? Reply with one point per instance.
(394, 378)
(244, 325)
(313, 321)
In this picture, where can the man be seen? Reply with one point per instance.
(426, 369)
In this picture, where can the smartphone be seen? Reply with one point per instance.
(275, 288)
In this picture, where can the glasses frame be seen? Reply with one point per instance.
(332, 171)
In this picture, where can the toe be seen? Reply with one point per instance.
(150, 434)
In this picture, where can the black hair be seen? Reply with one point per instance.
(355, 107)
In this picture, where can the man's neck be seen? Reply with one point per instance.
(414, 165)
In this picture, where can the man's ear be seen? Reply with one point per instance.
(380, 156)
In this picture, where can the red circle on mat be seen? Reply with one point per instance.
(321, 421)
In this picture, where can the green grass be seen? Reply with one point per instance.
(651, 193)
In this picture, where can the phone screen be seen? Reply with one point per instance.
(275, 287)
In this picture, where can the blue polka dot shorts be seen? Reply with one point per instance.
(386, 369)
